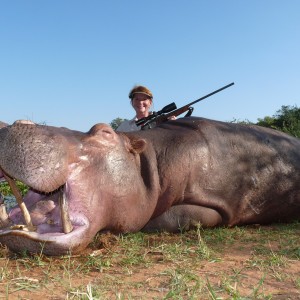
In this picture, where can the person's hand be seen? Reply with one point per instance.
(172, 118)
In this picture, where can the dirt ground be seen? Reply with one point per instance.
(245, 264)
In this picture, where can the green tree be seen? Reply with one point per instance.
(287, 119)
(116, 122)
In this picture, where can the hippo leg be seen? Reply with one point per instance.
(184, 217)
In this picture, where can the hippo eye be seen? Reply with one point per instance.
(100, 129)
(102, 133)
(95, 129)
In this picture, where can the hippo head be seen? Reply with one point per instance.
(79, 184)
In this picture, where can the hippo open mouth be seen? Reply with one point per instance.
(42, 218)
(54, 216)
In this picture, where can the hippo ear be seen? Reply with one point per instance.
(137, 146)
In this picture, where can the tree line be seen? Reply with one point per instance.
(286, 119)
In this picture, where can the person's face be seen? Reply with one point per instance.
(141, 103)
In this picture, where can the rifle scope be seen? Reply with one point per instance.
(164, 110)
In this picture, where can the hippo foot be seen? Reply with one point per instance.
(184, 217)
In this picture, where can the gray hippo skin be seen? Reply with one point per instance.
(182, 173)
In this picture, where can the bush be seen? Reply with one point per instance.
(287, 119)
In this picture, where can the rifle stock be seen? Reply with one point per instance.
(175, 113)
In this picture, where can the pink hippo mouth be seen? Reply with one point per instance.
(43, 222)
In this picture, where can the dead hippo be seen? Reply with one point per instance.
(182, 173)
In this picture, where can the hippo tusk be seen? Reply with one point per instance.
(4, 219)
(64, 212)
(19, 199)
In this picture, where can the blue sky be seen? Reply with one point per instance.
(72, 63)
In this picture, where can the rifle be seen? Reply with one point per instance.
(171, 109)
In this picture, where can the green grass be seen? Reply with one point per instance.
(163, 266)
(251, 262)
(6, 191)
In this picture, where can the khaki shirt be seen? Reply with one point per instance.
(128, 125)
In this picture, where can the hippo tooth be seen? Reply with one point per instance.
(23, 228)
(64, 212)
(4, 219)
(19, 199)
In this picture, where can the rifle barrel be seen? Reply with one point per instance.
(212, 93)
